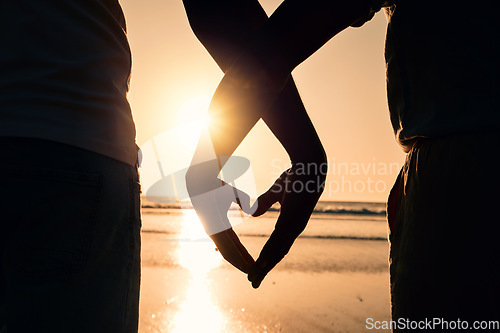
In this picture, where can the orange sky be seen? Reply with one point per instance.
(342, 86)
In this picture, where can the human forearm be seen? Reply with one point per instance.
(258, 85)
(253, 83)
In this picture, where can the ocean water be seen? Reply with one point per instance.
(334, 277)
(330, 220)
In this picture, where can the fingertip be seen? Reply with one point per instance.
(256, 284)
(252, 210)
(253, 277)
(244, 203)
(261, 205)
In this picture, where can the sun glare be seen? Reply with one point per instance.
(198, 313)
(192, 119)
(194, 110)
(197, 251)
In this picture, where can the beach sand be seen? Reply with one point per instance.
(322, 285)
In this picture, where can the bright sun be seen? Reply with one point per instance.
(194, 110)
(192, 119)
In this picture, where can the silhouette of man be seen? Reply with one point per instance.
(442, 70)
(69, 239)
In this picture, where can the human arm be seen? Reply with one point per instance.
(225, 28)
(258, 85)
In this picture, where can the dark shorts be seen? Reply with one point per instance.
(69, 240)
(445, 247)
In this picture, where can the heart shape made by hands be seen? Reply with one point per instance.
(227, 242)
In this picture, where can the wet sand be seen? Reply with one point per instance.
(323, 285)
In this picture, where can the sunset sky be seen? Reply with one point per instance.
(342, 86)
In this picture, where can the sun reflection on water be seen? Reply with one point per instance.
(198, 313)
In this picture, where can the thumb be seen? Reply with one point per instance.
(271, 196)
(263, 203)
